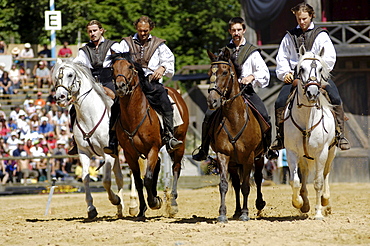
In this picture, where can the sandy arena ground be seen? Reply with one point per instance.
(23, 222)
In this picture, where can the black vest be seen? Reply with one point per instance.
(243, 53)
(97, 57)
(304, 38)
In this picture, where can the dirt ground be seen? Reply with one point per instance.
(23, 221)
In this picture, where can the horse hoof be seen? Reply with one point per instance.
(140, 219)
(318, 217)
(305, 208)
(324, 201)
(236, 215)
(158, 203)
(244, 217)
(260, 204)
(92, 214)
(133, 210)
(118, 202)
(222, 219)
(173, 211)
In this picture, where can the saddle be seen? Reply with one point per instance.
(262, 122)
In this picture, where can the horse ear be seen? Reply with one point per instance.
(226, 54)
(302, 50)
(322, 51)
(59, 61)
(211, 55)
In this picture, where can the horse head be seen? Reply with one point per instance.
(66, 81)
(312, 73)
(125, 73)
(222, 77)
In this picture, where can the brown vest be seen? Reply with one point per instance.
(142, 53)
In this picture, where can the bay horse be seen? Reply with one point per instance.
(236, 136)
(139, 132)
(75, 85)
(309, 128)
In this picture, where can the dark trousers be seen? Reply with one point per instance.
(257, 102)
(331, 89)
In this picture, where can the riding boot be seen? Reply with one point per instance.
(73, 150)
(112, 148)
(204, 147)
(343, 143)
(171, 142)
(271, 154)
(279, 140)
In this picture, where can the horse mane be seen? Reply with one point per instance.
(232, 58)
(83, 71)
(127, 56)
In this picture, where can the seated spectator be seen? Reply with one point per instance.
(59, 167)
(4, 175)
(40, 101)
(2, 113)
(39, 164)
(6, 84)
(25, 170)
(12, 142)
(15, 76)
(43, 75)
(23, 77)
(45, 53)
(3, 48)
(27, 146)
(31, 108)
(60, 120)
(16, 112)
(4, 129)
(50, 100)
(78, 172)
(65, 135)
(15, 54)
(65, 51)
(27, 52)
(45, 128)
(12, 124)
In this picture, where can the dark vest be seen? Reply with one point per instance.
(244, 51)
(307, 38)
(97, 57)
(142, 53)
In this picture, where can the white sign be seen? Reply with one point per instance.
(53, 20)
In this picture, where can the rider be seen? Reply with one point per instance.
(94, 55)
(314, 39)
(254, 72)
(156, 60)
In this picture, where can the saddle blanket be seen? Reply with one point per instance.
(177, 120)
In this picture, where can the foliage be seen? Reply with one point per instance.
(190, 27)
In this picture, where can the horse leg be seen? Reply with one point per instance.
(258, 177)
(119, 181)
(91, 210)
(223, 187)
(326, 190)
(245, 188)
(176, 170)
(295, 182)
(133, 208)
(304, 192)
(235, 180)
(139, 187)
(321, 177)
(151, 176)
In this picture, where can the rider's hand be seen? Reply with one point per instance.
(288, 79)
(247, 80)
(158, 73)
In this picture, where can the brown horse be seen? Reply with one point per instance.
(236, 136)
(139, 132)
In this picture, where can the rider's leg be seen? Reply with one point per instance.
(278, 143)
(171, 142)
(73, 150)
(206, 140)
(336, 101)
(112, 148)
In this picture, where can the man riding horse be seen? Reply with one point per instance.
(313, 39)
(254, 72)
(95, 55)
(156, 60)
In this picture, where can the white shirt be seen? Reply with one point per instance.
(162, 56)
(84, 59)
(256, 66)
(287, 57)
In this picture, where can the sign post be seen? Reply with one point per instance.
(53, 22)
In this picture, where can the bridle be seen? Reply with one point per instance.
(129, 79)
(213, 85)
(312, 76)
(59, 83)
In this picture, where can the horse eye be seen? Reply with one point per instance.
(70, 75)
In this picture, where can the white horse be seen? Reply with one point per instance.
(309, 128)
(75, 85)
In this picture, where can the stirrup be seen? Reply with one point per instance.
(173, 144)
(278, 144)
(111, 150)
(344, 144)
